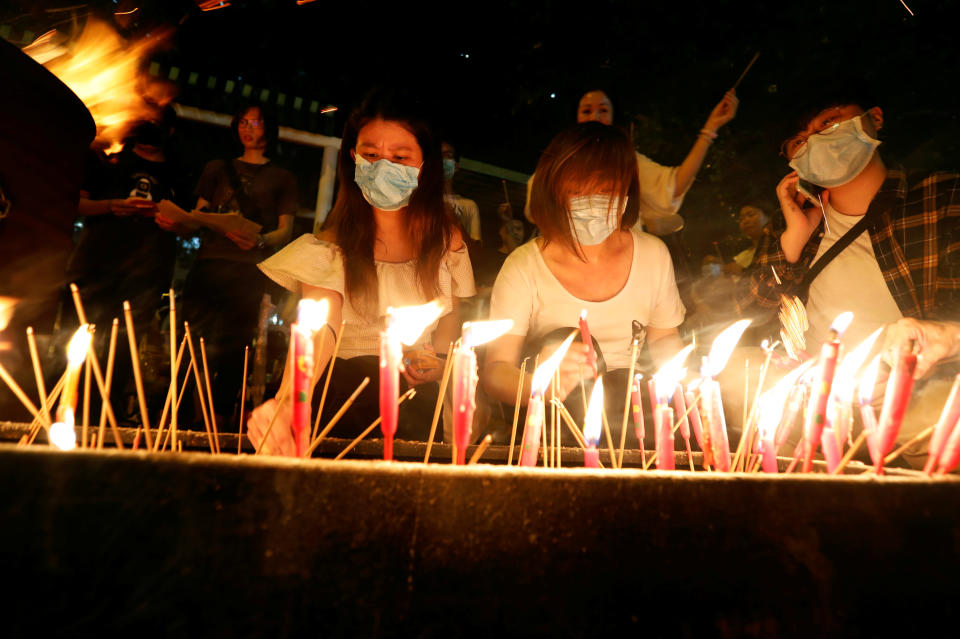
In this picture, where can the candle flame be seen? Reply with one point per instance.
(545, 371)
(841, 322)
(79, 344)
(594, 417)
(774, 400)
(844, 380)
(104, 72)
(722, 348)
(670, 374)
(312, 314)
(477, 333)
(868, 380)
(406, 323)
(6, 310)
(63, 435)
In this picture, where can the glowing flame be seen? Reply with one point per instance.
(6, 311)
(104, 72)
(774, 400)
(407, 323)
(594, 418)
(63, 436)
(477, 333)
(868, 381)
(312, 314)
(670, 374)
(844, 380)
(841, 322)
(723, 347)
(545, 371)
(79, 345)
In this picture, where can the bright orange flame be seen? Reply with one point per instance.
(670, 374)
(407, 323)
(104, 72)
(79, 344)
(869, 380)
(844, 381)
(477, 333)
(594, 417)
(6, 311)
(722, 348)
(545, 371)
(312, 314)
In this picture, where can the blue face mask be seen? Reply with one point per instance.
(595, 217)
(837, 155)
(449, 168)
(386, 185)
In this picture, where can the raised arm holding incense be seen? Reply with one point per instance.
(725, 111)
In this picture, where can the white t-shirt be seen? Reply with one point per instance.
(527, 292)
(467, 212)
(852, 281)
(315, 262)
(658, 206)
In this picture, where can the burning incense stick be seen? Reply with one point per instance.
(444, 379)
(516, 409)
(336, 417)
(481, 449)
(744, 74)
(366, 431)
(243, 398)
(37, 424)
(137, 376)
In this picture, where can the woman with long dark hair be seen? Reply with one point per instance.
(387, 242)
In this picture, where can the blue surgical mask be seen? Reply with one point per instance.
(385, 184)
(449, 168)
(837, 155)
(595, 217)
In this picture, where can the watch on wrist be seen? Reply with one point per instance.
(261, 243)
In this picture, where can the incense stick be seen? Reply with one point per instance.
(243, 398)
(137, 377)
(192, 366)
(626, 402)
(174, 369)
(743, 75)
(280, 399)
(606, 432)
(408, 395)
(444, 380)
(168, 401)
(38, 374)
(213, 413)
(106, 398)
(336, 417)
(85, 421)
(481, 449)
(676, 426)
(35, 425)
(516, 409)
(326, 382)
(923, 434)
(111, 357)
(12, 383)
(571, 425)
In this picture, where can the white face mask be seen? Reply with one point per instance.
(837, 155)
(595, 217)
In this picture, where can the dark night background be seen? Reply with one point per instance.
(505, 76)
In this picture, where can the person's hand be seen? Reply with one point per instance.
(801, 215)
(936, 341)
(132, 206)
(725, 111)
(575, 363)
(245, 241)
(505, 211)
(280, 439)
(421, 366)
(170, 225)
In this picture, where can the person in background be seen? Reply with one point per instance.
(465, 210)
(224, 289)
(389, 241)
(754, 223)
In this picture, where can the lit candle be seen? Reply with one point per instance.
(777, 408)
(681, 407)
(895, 400)
(695, 422)
(710, 400)
(840, 407)
(586, 339)
(465, 378)
(311, 316)
(665, 383)
(535, 412)
(592, 425)
(62, 433)
(403, 326)
(820, 393)
(942, 433)
(867, 414)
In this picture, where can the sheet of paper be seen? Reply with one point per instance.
(222, 223)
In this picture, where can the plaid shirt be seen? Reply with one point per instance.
(916, 240)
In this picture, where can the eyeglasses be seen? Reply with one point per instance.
(795, 146)
(252, 124)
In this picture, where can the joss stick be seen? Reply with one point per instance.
(196, 377)
(183, 389)
(280, 399)
(626, 402)
(85, 423)
(409, 394)
(206, 377)
(746, 394)
(38, 374)
(336, 417)
(166, 405)
(444, 380)
(326, 382)
(51, 400)
(516, 409)
(743, 75)
(12, 383)
(111, 356)
(567, 419)
(481, 449)
(94, 364)
(106, 396)
(923, 434)
(137, 377)
(136, 438)
(753, 416)
(174, 369)
(676, 425)
(609, 437)
(243, 398)
(850, 453)
(506, 193)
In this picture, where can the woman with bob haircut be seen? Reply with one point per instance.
(388, 242)
(585, 201)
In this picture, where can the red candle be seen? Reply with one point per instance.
(895, 400)
(663, 420)
(464, 390)
(945, 426)
(716, 423)
(586, 339)
(390, 354)
(592, 424)
(302, 372)
(768, 455)
(820, 393)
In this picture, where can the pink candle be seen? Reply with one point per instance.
(663, 419)
(302, 372)
(790, 414)
(869, 418)
(591, 457)
(586, 339)
(390, 353)
(820, 393)
(768, 455)
(695, 418)
(532, 431)
(945, 425)
(895, 400)
(831, 451)
(592, 424)
(716, 423)
(464, 390)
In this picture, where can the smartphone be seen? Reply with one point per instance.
(810, 191)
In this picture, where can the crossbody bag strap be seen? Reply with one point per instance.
(845, 240)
